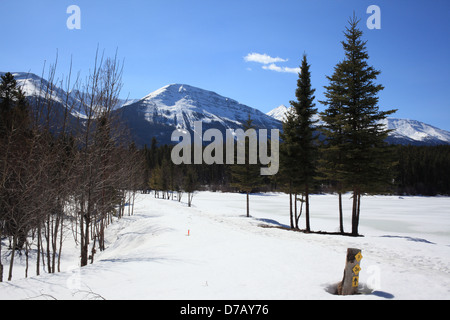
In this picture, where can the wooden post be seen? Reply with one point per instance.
(350, 282)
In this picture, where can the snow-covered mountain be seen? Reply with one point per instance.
(278, 113)
(180, 105)
(416, 132)
(35, 87)
(405, 131)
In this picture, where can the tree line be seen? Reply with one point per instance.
(419, 170)
(423, 170)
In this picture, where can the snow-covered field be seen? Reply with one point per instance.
(406, 252)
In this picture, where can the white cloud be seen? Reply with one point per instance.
(262, 58)
(269, 62)
(274, 67)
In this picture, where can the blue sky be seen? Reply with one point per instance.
(204, 43)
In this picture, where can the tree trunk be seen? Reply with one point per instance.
(39, 240)
(55, 241)
(134, 197)
(42, 252)
(308, 227)
(290, 210)
(1, 265)
(11, 263)
(341, 218)
(60, 243)
(355, 213)
(358, 212)
(48, 239)
(84, 235)
(26, 259)
(295, 211)
(85, 246)
(300, 212)
(190, 195)
(93, 251)
(248, 205)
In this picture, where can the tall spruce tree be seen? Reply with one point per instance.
(332, 156)
(300, 147)
(289, 150)
(246, 177)
(13, 105)
(355, 134)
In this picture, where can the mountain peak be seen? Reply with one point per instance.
(180, 87)
(279, 112)
(180, 105)
(189, 97)
(178, 90)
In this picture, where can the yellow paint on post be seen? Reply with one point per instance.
(356, 269)
(355, 282)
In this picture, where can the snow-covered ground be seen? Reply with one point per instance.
(406, 252)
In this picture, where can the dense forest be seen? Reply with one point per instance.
(419, 170)
(423, 170)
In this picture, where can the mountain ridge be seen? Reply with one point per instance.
(178, 106)
(406, 131)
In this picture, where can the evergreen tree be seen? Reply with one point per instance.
(289, 149)
(423, 170)
(156, 181)
(246, 177)
(8, 92)
(332, 156)
(353, 121)
(299, 148)
(13, 105)
(190, 183)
